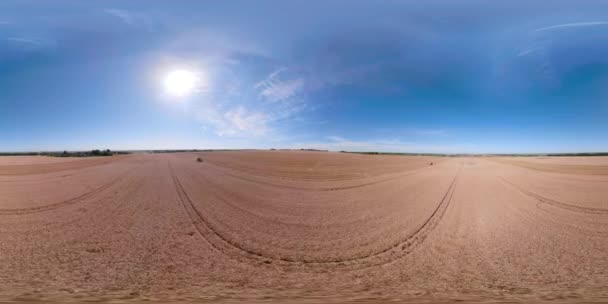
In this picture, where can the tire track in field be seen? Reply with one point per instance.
(114, 203)
(223, 196)
(382, 256)
(557, 168)
(556, 203)
(321, 189)
(45, 168)
(53, 206)
(252, 172)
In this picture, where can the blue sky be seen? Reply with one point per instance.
(399, 76)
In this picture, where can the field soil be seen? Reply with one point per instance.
(303, 227)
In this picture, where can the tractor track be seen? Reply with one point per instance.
(224, 198)
(320, 189)
(555, 203)
(71, 201)
(383, 256)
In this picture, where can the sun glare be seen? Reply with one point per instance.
(180, 83)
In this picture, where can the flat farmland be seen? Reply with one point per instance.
(303, 226)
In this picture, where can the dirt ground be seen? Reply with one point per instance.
(303, 227)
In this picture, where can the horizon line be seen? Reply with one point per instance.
(588, 153)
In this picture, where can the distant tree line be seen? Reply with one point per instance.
(472, 154)
(557, 154)
(179, 151)
(95, 152)
(400, 153)
(195, 150)
(315, 150)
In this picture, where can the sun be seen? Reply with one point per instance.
(180, 83)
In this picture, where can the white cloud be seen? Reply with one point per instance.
(240, 120)
(283, 90)
(30, 43)
(276, 73)
(336, 138)
(236, 109)
(237, 121)
(383, 145)
(571, 25)
(131, 18)
(25, 40)
(211, 42)
(274, 89)
(123, 15)
(527, 51)
(427, 132)
(230, 106)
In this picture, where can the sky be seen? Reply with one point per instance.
(394, 76)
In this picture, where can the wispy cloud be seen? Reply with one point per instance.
(411, 132)
(131, 18)
(272, 88)
(571, 25)
(385, 145)
(123, 15)
(232, 107)
(336, 138)
(527, 51)
(427, 132)
(31, 43)
(25, 40)
(242, 121)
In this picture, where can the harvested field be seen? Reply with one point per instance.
(304, 226)
(17, 165)
(34, 160)
(595, 166)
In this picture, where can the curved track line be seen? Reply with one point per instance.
(224, 198)
(555, 203)
(557, 168)
(285, 178)
(49, 168)
(404, 246)
(22, 211)
(339, 188)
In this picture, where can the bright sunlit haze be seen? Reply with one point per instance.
(180, 83)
